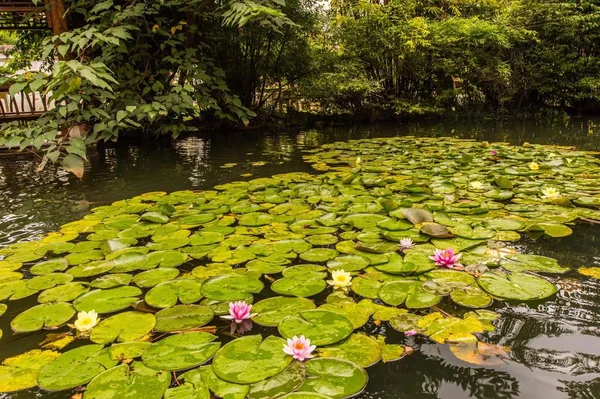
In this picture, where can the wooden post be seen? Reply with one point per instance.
(55, 12)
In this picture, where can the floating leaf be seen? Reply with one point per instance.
(517, 286)
(123, 327)
(408, 292)
(335, 378)
(183, 317)
(47, 315)
(271, 311)
(75, 367)
(129, 381)
(280, 384)
(181, 351)
(231, 287)
(168, 294)
(320, 326)
(107, 301)
(249, 360)
(358, 348)
(20, 372)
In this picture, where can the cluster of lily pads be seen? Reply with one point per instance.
(394, 231)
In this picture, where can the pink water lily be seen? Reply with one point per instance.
(410, 333)
(239, 311)
(299, 348)
(445, 258)
(406, 243)
(241, 328)
(494, 152)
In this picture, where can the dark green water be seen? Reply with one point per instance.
(555, 344)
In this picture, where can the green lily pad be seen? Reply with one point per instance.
(129, 381)
(109, 300)
(123, 327)
(151, 278)
(249, 359)
(334, 378)
(20, 372)
(532, 263)
(155, 217)
(47, 315)
(349, 263)
(280, 384)
(128, 350)
(219, 387)
(49, 266)
(63, 293)
(112, 280)
(231, 287)
(181, 351)
(504, 224)
(358, 315)
(167, 258)
(319, 255)
(366, 287)
(183, 317)
(320, 326)
(516, 286)
(74, 368)
(358, 348)
(471, 296)
(168, 294)
(409, 292)
(299, 287)
(271, 311)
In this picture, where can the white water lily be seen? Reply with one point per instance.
(534, 166)
(550, 192)
(86, 320)
(358, 161)
(477, 185)
(341, 279)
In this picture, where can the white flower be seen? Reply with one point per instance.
(550, 192)
(86, 320)
(341, 279)
(358, 160)
(476, 185)
(406, 243)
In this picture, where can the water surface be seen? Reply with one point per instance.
(555, 344)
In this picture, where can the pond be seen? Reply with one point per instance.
(552, 346)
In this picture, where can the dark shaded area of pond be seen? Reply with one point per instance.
(555, 344)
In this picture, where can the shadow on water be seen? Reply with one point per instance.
(555, 344)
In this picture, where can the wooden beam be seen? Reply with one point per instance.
(55, 11)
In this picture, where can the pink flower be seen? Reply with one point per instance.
(446, 258)
(239, 311)
(299, 348)
(406, 243)
(410, 333)
(494, 152)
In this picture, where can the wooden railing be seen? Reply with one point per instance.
(22, 106)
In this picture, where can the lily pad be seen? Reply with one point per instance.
(286, 381)
(123, 327)
(168, 294)
(349, 263)
(271, 311)
(63, 293)
(299, 287)
(47, 315)
(334, 378)
(129, 382)
(109, 300)
(181, 351)
(231, 287)
(320, 326)
(249, 360)
(517, 286)
(409, 292)
(319, 255)
(20, 372)
(183, 317)
(74, 368)
(358, 348)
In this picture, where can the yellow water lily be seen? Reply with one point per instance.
(534, 166)
(340, 279)
(550, 192)
(86, 320)
(358, 161)
(477, 185)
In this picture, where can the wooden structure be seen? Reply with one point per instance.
(33, 15)
(22, 106)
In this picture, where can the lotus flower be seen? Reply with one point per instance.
(534, 166)
(410, 333)
(406, 243)
(550, 192)
(446, 258)
(86, 320)
(341, 279)
(477, 185)
(299, 348)
(239, 311)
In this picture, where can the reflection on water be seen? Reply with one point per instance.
(555, 345)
